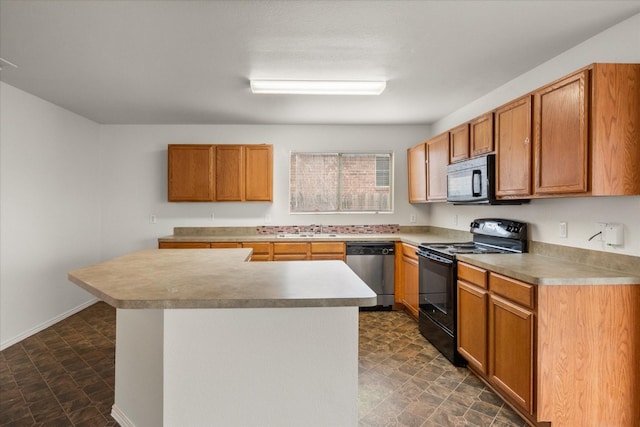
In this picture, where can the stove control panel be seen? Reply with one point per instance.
(499, 228)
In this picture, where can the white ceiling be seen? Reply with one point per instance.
(189, 62)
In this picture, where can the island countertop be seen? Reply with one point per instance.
(203, 278)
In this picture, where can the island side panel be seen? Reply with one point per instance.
(588, 346)
(139, 366)
(263, 366)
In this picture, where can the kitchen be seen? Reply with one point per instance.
(68, 211)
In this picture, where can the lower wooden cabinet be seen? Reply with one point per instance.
(496, 332)
(511, 338)
(328, 251)
(407, 278)
(262, 251)
(184, 245)
(473, 316)
(290, 251)
(559, 354)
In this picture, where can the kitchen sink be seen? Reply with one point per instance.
(306, 235)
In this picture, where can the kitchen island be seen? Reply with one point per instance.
(204, 338)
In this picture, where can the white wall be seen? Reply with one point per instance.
(620, 43)
(49, 211)
(135, 178)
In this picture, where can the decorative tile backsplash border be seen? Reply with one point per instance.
(331, 229)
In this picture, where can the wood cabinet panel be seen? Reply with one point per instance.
(190, 173)
(229, 173)
(262, 251)
(515, 290)
(184, 245)
(291, 251)
(561, 136)
(225, 245)
(472, 274)
(481, 134)
(328, 251)
(410, 279)
(511, 351)
(615, 121)
(472, 324)
(459, 143)
(258, 171)
(417, 169)
(437, 159)
(513, 141)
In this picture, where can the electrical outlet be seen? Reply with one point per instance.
(412, 218)
(562, 232)
(455, 220)
(267, 219)
(152, 219)
(212, 217)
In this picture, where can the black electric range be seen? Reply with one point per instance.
(438, 276)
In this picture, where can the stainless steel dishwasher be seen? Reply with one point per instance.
(374, 263)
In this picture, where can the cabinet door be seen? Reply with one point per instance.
(561, 136)
(437, 159)
(511, 335)
(481, 134)
(258, 173)
(417, 167)
(513, 148)
(472, 325)
(190, 173)
(410, 279)
(229, 173)
(459, 143)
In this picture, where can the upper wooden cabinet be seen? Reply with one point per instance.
(459, 143)
(513, 140)
(615, 129)
(199, 173)
(258, 173)
(190, 173)
(427, 166)
(582, 140)
(417, 168)
(561, 137)
(437, 159)
(481, 134)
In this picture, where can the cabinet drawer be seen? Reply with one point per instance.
(514, 290)
(223, 245)
(290, 257)
(327, 247)
(290, 248)
(409, 251)
(183, 245)
(258, 247)
(472, 274)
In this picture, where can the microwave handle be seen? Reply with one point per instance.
(476, 183)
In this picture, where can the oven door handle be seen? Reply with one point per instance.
(435, 258)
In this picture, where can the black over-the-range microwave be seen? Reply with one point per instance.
(473, 182)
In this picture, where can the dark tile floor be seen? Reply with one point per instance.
(64, 376)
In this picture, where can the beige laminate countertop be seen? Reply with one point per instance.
(544, 270)
(205, 278)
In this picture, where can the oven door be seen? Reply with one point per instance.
(437, 289)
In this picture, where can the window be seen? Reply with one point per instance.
(340, 182)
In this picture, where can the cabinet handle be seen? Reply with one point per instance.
(526, 140)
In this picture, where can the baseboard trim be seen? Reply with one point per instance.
(120, 417)
(46, 324)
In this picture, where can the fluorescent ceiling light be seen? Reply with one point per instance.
(318, 87)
